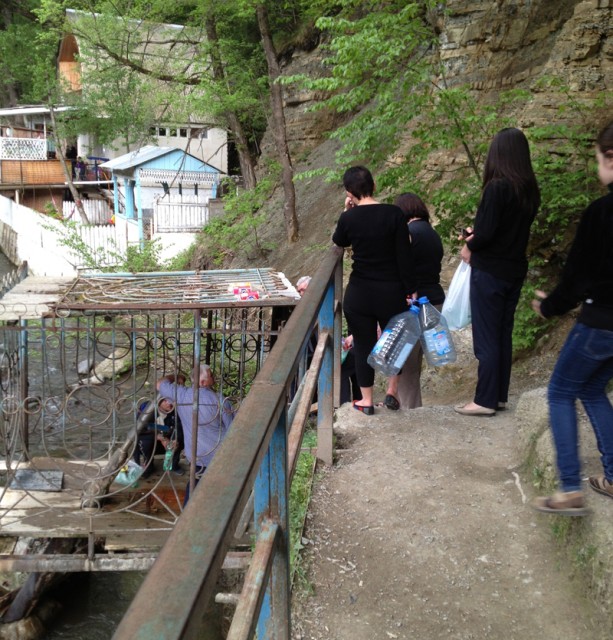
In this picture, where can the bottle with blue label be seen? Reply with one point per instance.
(436, 338)
(396, 343)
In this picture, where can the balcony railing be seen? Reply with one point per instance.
(23, 149)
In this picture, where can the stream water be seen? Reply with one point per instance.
(92, 603)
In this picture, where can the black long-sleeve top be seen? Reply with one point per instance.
(501, 232)
(379, 237)
(427, 251)
(587, 275)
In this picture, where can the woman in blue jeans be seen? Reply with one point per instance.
(585, 365)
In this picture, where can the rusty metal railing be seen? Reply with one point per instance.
(173, 602)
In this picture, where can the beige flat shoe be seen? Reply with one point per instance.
(478, 411)
(570, 503)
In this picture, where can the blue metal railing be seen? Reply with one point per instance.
(258, 453)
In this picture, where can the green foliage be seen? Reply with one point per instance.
(182, 261)
(300, 496)
(238, 228)
(51, 210)
(528, 325)
(143, 259)
(135, 260)
(68, 236)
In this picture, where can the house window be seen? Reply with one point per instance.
(162, 133)
(172, 133)
(153, 131)
(182, 133)
(204, 133)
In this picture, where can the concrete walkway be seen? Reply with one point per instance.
(423, 531)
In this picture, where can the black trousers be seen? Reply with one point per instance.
(369, 303)
(350, 389)
(148, 446)
(493, 302)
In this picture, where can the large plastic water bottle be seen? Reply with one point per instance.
(396, 342)
(436, 338)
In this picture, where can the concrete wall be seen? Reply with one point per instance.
(173, 243)
(28, 235)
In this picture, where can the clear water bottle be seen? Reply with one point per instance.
(396, 342)
(436, 338)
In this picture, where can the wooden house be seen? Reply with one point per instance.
(160, 191)
(160, 50)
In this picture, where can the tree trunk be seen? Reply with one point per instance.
(9, 87)
(247, 163)
(67, 172)
(278, 125)
(36, 584)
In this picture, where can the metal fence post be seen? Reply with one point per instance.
(338, 330)
(325, 402)
(271, 501)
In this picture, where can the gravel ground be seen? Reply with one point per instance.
(423, 530)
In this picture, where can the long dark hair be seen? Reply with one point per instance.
(412, 206)
(509, 158)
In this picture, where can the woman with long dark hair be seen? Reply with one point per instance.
(381, 274)
(496, 251)
(585, 364)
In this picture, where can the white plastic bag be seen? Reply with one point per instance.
(456, 308)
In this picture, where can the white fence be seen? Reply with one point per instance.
(98, 211)
(46, 243)
(23, 149)
(106, 246)
(176, 214)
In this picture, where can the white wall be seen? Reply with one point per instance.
(213, 149)
(32, 241)
(173, 243)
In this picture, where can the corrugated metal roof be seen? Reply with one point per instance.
(136, 158)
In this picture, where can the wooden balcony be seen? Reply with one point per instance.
(31, 172)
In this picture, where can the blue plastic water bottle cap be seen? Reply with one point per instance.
(414, 308)
(423, 300)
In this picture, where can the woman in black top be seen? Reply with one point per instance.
(427, 250)
(585, 365)
(380, 279)
(496, 251)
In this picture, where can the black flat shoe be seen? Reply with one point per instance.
(366, 410)
(391, 403)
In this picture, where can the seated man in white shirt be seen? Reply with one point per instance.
(215, 415)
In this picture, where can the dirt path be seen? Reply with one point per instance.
(422, 531)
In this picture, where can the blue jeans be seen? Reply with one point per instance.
(583, 370)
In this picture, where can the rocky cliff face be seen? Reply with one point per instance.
(489, 45)
(494, 45)
(507, 43)
(514, 43)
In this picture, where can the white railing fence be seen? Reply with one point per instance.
(107, 247)
(97, 211)
(177, 214)
(23, 149)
